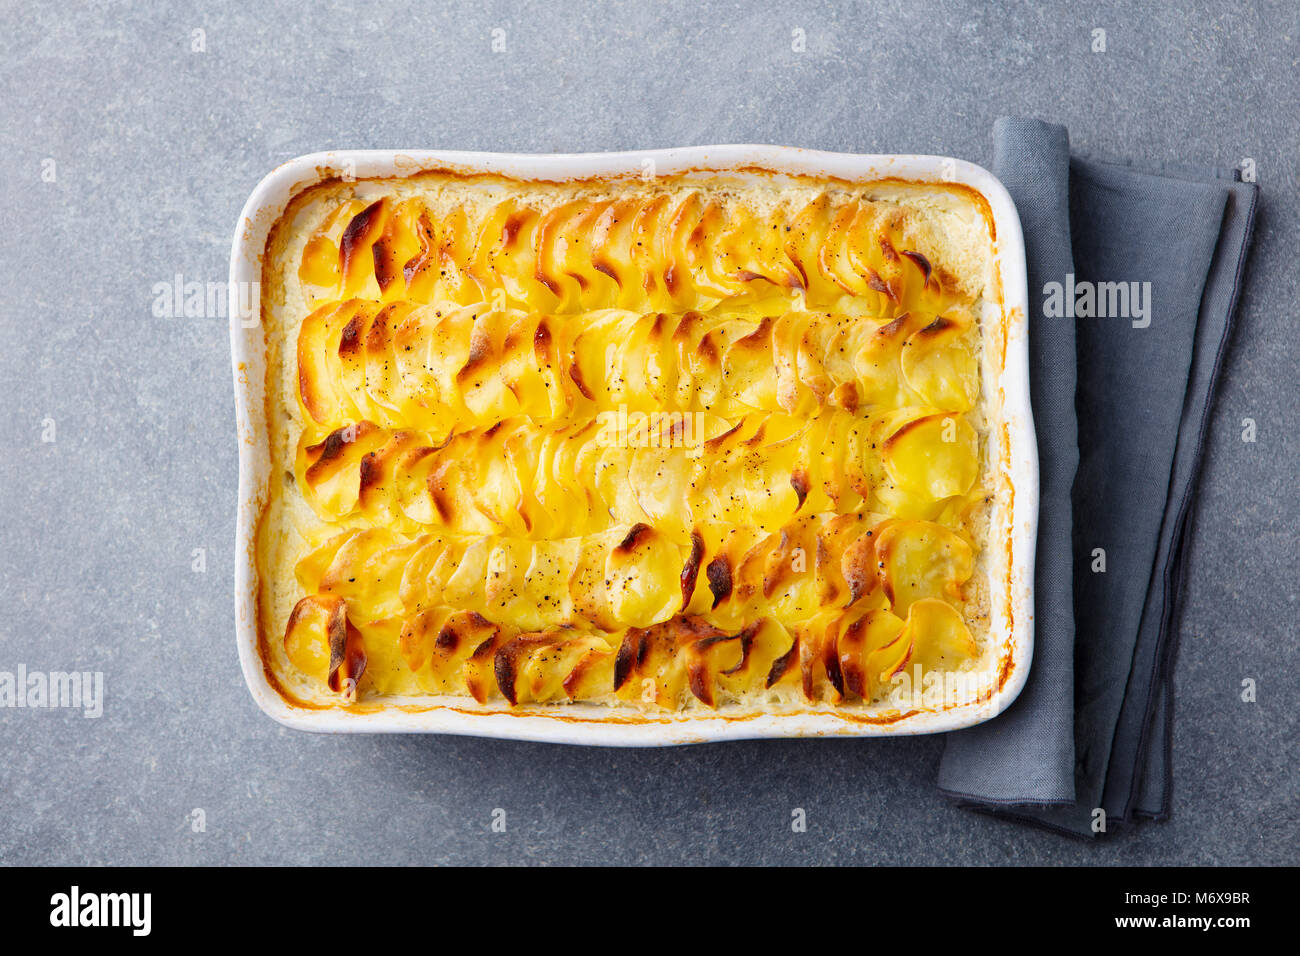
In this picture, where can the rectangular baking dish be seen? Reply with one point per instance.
(1012, 448)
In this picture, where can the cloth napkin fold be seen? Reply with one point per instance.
(1121, 403)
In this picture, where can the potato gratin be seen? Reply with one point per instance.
(648, 445)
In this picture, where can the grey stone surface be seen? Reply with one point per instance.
(156, 148)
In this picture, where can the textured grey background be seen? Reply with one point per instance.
(156, 150)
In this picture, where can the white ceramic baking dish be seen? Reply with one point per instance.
(1014, 520)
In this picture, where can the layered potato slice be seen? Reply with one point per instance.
(836, 658)
(640, 576)
(436, 367)
(813, 607)
(563, 479)
(656, 251)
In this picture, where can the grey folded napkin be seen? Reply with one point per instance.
(1134, 274)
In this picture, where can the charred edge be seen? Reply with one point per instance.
(436, 483)
(719, 575)
(485, 649)
(355, 233)
(337, 629)
(551, 284)
(629, 654)
(350, 337)
(808, 669)
(606, 269)
(371, 472)
(882, 556)
(915, 423)
(508, 345)
(855, 675)
(799, 482)
(708, 349)
(686, 326)
(510, 229)
(746, 638)
(333, 445)
(541, 340)
(943, 279)
(295, 616)
(705, 643)
(887, 249)
(701, 686)
(921, 263)
(377, 336)
(355, 657)
(875, 282)
(417, 262)
(448, 639)
(828, 591)
(760, 334)
(384, 257)
(634, 537)
(575, 374)
(782, 665)
(693, 627)
(784, 566)
(505, 665)
(573, 679)
(691, 570)
(713, 444)
(890, 329)
(831, 659)
(847, 394)
(480, 353)
(414, 456)
(940, 324)
(907, 656)
(857, 570)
